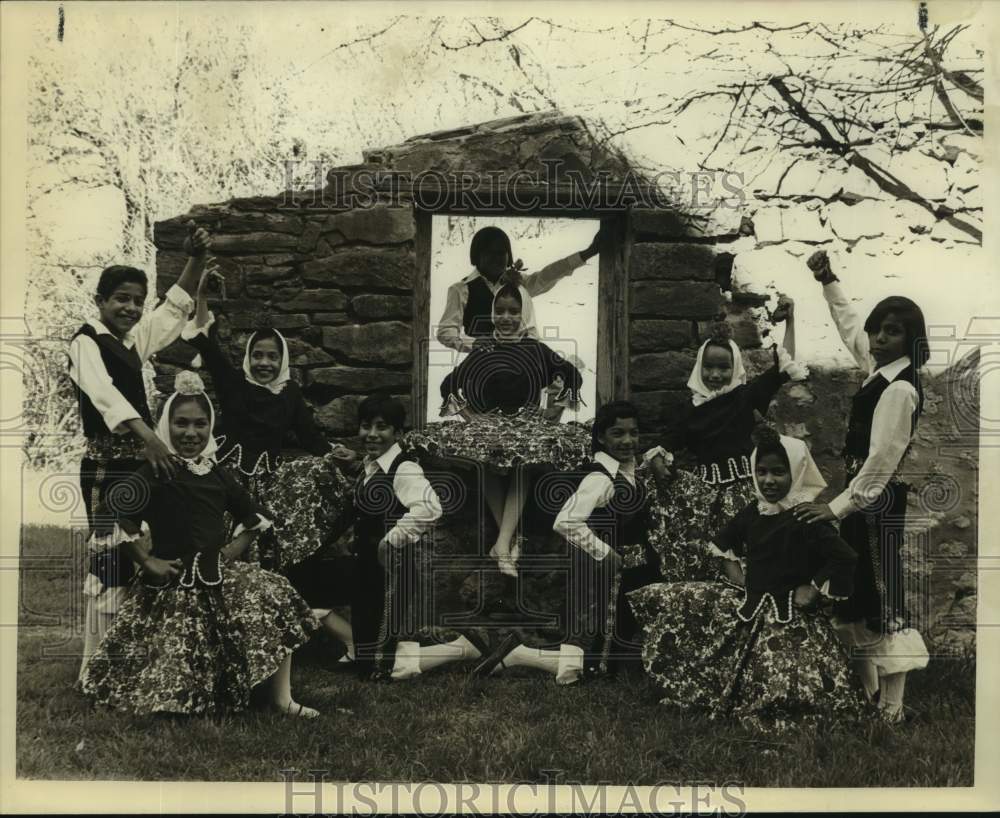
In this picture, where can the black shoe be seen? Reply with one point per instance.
(489, 662)
(380, 677)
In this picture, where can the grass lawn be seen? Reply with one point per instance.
(447, 727)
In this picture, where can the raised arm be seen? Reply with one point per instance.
(847, 321)
(550, 275)
(204, 339)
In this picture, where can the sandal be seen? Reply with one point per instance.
(293, 708)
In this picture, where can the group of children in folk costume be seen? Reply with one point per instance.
(253, 618)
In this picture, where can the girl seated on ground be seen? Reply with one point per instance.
(759, 649)
(200, 630)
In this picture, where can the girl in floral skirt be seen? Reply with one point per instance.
(497, 391)
(260, 406)
(762, 653)
(715, 433)
(199, 631)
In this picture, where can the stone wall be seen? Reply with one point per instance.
(337, 284)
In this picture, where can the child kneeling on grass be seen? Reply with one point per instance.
(198, 631)
(394, 511)
(605, 524)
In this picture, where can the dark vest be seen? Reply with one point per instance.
(623, 520)
(376, 507)
(859, 424)
(477, 318)
(125, 369)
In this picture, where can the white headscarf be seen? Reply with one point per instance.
(527, 313)
(187, 384)
(700, 393)
(807, 482)
(283, 376)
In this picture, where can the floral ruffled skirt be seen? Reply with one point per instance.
(506, 441)
(198, 650)
(303, 498)
(686, 517)
(764, 673)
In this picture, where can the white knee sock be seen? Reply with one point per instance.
(891, 698)
(95, 625)
(868, 674)
(407, 663)
(570, 664)
(523, 656)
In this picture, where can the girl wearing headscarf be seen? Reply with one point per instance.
(199, 630)
(261, 407)
(760, 650)
(497, 390)
(713, 439)
(891, 347)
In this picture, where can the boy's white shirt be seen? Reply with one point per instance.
(413, 490)
(893, 418)
(450, 332)
(153, 332)
(595, 490)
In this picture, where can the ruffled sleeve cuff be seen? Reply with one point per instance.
(192, 330)
(658, 451)
(263, 524)
(117, 536)
(796, 370)
(453, 405)
(824, 590)
(568, 399)
(726, 555)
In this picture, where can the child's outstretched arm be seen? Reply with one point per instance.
(196, 245)
(847, 321)
(550, 275)
(198, 333)
(162, 326)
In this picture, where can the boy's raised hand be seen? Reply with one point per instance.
(819, 263)
(198, 241)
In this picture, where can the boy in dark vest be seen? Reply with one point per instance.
(106, 356)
